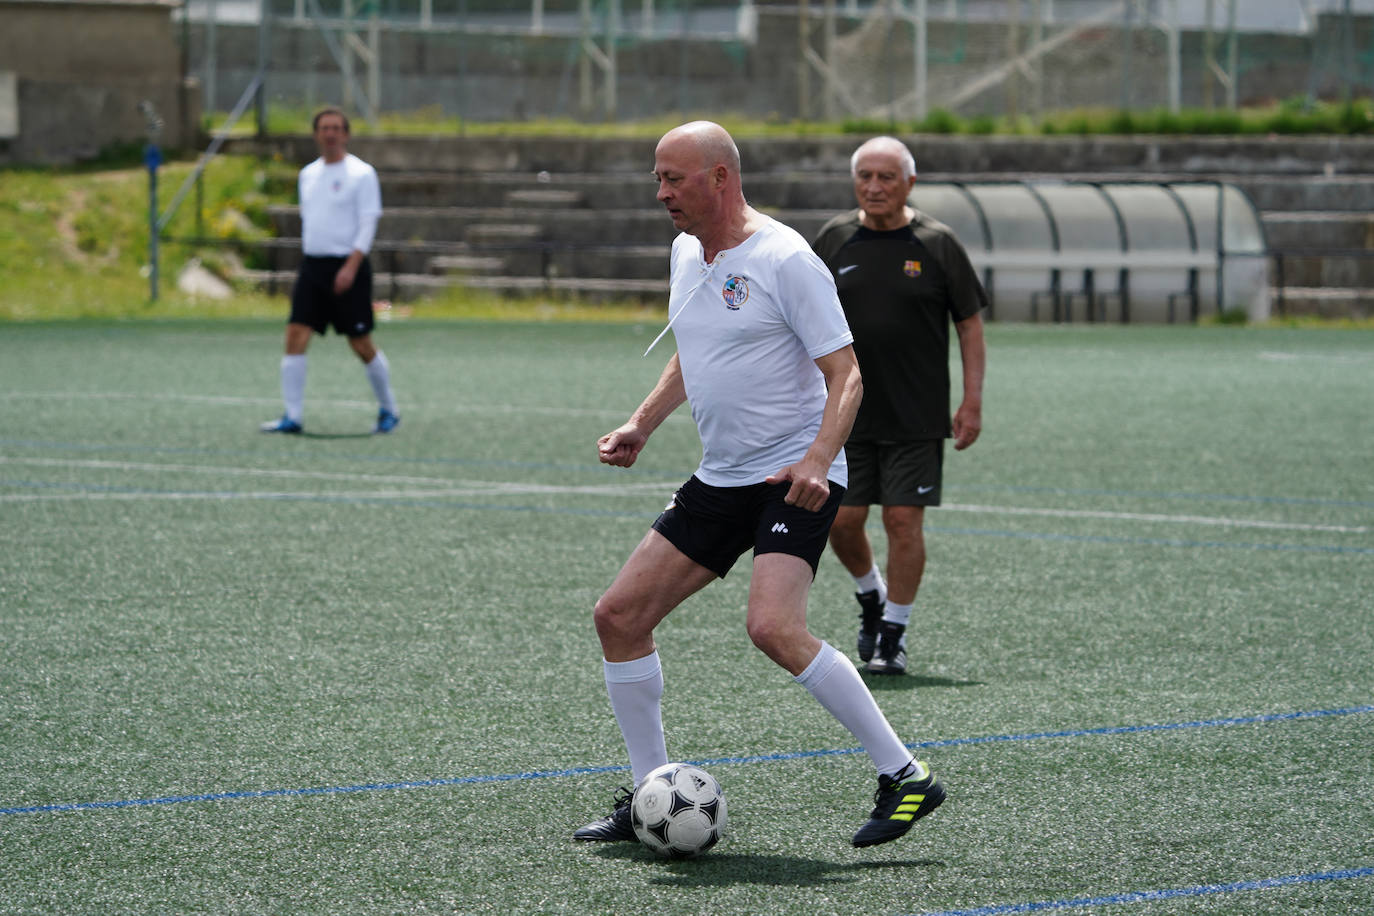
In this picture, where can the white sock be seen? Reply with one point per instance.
(897, 613)
(873, 579)
(293, 386)
(379, 374)
(636, 687)
(832, 679)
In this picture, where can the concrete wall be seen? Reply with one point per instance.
(82, 67)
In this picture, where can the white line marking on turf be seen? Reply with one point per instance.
(1281, 356)
(233, 401)
(449, 488)
(144, 396)
(462, 487)
(211, 469)
(1153, 517)
(490, 489)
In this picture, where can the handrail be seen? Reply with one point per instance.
(1191, 292)
(1056, 279)
(212, 150)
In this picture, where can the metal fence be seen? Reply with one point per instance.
(900, 60)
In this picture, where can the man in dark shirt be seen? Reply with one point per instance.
(902, 278)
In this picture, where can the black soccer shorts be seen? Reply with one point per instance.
(895, 473)
(714, 526)
(314, 302)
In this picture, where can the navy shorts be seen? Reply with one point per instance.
(314, 302)
(895, 473)
(714, 526)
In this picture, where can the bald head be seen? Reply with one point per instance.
(885, 146)
(708, 140)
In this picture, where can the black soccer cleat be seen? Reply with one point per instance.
(614, 827)
(870, 617)
(899, 802)
(889, 657)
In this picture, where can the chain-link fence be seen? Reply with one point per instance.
(1022, 61)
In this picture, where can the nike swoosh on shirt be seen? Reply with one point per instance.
(846, 269)
(924, 490)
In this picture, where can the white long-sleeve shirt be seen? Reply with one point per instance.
(340, 205)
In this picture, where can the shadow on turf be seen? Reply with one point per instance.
(877, 682)
(722, 869)
(305, 435)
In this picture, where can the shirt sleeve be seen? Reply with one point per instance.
(967, 297)
(369, 210)
(811, 305)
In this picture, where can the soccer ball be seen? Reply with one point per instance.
(678, 811)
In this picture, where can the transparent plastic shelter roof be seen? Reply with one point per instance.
(1130, 251)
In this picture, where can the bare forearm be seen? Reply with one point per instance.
(845, 392)
(667, 395)
(973, 358)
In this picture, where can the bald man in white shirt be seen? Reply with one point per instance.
(341, 202)
(764, 359)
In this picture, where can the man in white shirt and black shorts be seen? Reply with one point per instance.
(341, 201)
(764, 359)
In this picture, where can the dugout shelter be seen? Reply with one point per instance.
(1108, 251)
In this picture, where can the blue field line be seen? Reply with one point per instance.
(229, 495)
(1173, 893)
(1067, 733)
(1267, 718)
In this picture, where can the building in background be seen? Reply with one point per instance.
(82, 77)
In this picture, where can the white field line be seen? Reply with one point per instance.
(211, 469)
(233, 401)
(438, 487)
(1155, 517)
(342, 495)
(1281, 356)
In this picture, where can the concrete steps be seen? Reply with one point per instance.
(404, 287)
(1313, 230)
(560, 247)
(1325, 302)
(1323, 260)
(799, 190)
(602, 235)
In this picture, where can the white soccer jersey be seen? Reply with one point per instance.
(340, 204)
(749, 327)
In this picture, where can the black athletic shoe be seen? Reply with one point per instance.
(615, 826)
(870, 616)
(899, 802)
(890, 655)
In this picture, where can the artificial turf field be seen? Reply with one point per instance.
(348, 674)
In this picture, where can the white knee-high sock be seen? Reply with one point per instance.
(293, 385)
(832, 679)
(636, 687)
(379, 374)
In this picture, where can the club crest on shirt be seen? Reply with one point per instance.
(337, 185)
(912, 268)
(735, 292)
